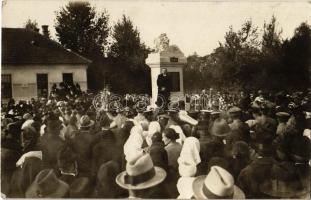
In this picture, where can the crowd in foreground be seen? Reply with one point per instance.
(65, 147)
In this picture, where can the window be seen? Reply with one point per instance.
(173, 59)
(6, 86)
(68, 78)
(42, 85)
(175, 81)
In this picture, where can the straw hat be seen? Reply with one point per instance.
(217, 184)
(140, 174)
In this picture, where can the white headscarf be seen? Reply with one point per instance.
(133, 145)
(154, 127)
(189, 157)
(180, 132)
(184, 187)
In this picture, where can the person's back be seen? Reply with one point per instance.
(255, 174)
(105, 149)
(50, 144)
(82, 144)
(173, 150)
(159, 155)
(24, 175)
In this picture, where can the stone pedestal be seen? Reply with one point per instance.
(173, 60)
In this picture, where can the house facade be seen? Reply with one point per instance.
(32, 63)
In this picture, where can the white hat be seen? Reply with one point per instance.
(140, 174)
(217, 184)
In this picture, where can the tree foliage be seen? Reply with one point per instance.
(130, 54)
(247, 61)
(31, 25)
(127, 45)
(79, 28)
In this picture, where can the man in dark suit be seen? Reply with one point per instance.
(164, 89)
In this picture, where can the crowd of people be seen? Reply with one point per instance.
(68, 146)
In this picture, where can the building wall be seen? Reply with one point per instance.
(24, 77)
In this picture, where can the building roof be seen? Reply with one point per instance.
(21, 46)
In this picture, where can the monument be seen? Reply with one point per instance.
(169, 57)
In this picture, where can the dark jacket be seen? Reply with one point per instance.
(50, 144)
(164, 82)
(255, 174)
(173, 150)
(24, 175)
(241, 129)
(105, 149)
(8, 160)
(82, 145)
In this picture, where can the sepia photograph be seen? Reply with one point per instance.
(155, 99)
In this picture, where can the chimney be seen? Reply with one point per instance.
(45, 31)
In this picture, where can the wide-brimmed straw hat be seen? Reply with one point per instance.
(217, 184)
(47, 185)
(140, 174)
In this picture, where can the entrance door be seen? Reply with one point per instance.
(42, 85)
(68, 78)
(175, 78)
(6, 86)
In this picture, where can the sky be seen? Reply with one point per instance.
(194, 26)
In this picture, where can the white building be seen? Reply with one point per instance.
(32, 63)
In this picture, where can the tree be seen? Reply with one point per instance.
(162, 42)
(270, 61)
(31, 25)
(235, 61)
(79, 28)
(131, 54)
(127, 45)
(296, 58)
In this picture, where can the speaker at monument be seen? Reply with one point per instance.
(174, 60)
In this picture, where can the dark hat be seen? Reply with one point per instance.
(284, 182)
(47, 185)
(266, 126)
(85, 121)
(13, 129)
(220, 128)
(53, 120)
(81, 188)
(171, 134)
